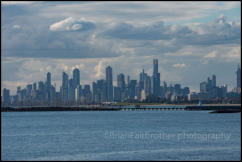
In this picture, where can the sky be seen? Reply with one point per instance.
(191, 40)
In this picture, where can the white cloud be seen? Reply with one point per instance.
(16, 26)
(179, 65)
(16, 2)
(71, 24)
(233, 55)
(63, 25)
(211, 55)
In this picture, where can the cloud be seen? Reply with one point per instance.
(179, 65)
(15, 2)
(16, 26)
(233, 55)
(99, 69)
(211, 55)
(218, 31)
(71, 24)
(59, 36)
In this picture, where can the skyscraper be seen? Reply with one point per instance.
(76, 77)
(6, 97)
(48, 86)
(213, 81)
(156, 78)
(48, 80)
(121, 85)
(121, 82)
(109, 80)
(64, 88)
(238, 80)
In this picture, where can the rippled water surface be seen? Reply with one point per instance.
(120, 135)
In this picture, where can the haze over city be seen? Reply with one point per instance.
(195, 41)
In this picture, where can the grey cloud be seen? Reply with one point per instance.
(156, 31)
(217, 32)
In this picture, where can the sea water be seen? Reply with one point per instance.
(120, 135)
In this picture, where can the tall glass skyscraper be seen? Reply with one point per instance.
(238, 80)
(109, 81)
(156, 78)
(76, 77)
(64, 88)
(48, 81)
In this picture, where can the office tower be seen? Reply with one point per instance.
(142, 77)
(109, 80)
(209, 84)
(48, 80)
(48, 87)
(186, 90)
(78, 94)
(87, 94)
(132, 89)
(128, 80)
(121, 81)
(100, 91)
(238, 80)
(34, 87)
(71, 91)
(52, 95)
(156, 78)
(147, 85)
(203, 87)
(6, 97)
(117, 94)
(64, 88)
(177, 89)
(76, 77)
(94, 92)
(222, 91)
(29, 89)
(213, 81)
(121, 85)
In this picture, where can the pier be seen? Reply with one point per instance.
(215, 108)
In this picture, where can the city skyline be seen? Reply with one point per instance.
(145, 88)
(198, 40)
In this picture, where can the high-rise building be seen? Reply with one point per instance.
(64, 88)
(147, 85)
(203, 87)
(109, 80)
(76, 77)
(121, 85)
(156, 78)
(48, 87)
(71, 91)
(117, 94)
(6, 97)
(132, 89)
(238, 80)
(121, 81)
(48, 80)
(213, 81)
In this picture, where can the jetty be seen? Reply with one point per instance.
(213, 108)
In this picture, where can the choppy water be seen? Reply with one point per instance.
(120, 135)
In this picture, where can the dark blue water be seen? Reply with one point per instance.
(120, 135)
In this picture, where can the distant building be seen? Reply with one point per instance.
(109, 81)
(6, 97)
(203, 87)
(156, 78)
(76, 77)
(64, 88)
(238, 80)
